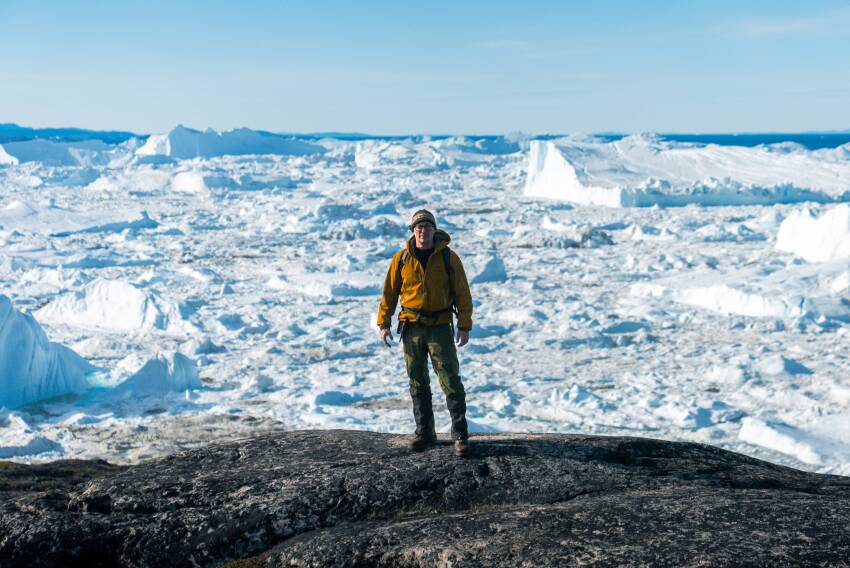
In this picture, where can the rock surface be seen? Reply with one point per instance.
(329, 498)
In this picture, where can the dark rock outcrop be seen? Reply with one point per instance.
(326, 498)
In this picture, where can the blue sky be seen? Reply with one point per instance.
(428, 67)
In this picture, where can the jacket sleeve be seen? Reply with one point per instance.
(389, 297)
(463, 296)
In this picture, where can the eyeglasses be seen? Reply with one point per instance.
(423, 226)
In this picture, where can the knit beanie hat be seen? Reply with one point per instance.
(422, 216)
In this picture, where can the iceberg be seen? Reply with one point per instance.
(642, 171)
(173, 372)
(115, 305)
(7, 159)
(186, 143)
(816, 239)
(49, 153)
(32, 368)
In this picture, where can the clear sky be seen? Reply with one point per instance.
(427, 67)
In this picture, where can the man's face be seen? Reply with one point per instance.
(424, 235)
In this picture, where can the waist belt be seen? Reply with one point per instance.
(420, 314)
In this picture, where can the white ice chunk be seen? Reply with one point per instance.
(816, 239)
(61, 222)
(776, 364)
(173, 372)
(81, 153)
(6, 159)
(327, 285)
(492, 270)
(641, 171)
(781, 438)
(190, 182)
(115, 305)
(788, 293)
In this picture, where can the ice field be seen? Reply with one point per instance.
(163, 293)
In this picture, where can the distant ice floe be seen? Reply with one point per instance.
(793, 293)
(59, 222)
(206, 183)
(377, 155)
(816, 239)
(49, 153)
(32, 368)
(784, 438)
(186, 143)
(641, 171)
(116, 305)
(552, 234)
(327, 284)
(458, 151)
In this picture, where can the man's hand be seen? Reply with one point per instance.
(386, 333)
(462, 337)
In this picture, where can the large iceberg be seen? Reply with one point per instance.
(50, 153)
(116, 305)
(32, 368)
(641, 171)
(817, 239)
(7, 159)
(185, 143)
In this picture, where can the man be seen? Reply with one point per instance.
(431, 282)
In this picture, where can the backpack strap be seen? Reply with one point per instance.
(404, 256)
(447, 259)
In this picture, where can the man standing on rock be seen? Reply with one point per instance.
(432, 284)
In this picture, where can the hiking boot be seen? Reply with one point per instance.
(423, 413)
(460, 448)
(422, 442)
(456, 403)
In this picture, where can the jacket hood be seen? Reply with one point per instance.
(441, 241)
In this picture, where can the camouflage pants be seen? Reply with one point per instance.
(437, 341)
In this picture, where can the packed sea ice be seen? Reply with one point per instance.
(199, 286)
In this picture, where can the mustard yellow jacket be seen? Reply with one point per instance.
(426, 289)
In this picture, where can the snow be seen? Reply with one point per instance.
(816, 239)
(221, 284)
(641, 171)
(32, 368)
